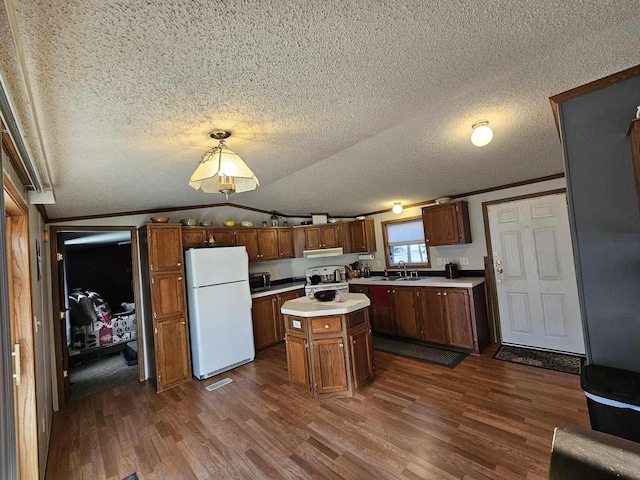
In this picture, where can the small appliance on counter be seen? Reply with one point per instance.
(451, 270)
(259, 281)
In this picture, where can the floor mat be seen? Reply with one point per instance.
(100, 375)
(434, 356)
(560, 362)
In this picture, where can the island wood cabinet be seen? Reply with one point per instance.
(362, 236)
(446, 224)
(166, 320)
(268, 322)
(331, 355)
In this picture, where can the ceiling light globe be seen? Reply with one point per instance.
(482, 134)
(397, 208)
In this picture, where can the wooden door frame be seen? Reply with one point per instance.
(20, 296)
(56, 307)
(492, 292)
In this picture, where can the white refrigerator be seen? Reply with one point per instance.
(219, 309)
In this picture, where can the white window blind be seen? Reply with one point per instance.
(405, 232)
(405, 243)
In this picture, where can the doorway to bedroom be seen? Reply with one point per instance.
(97, 335)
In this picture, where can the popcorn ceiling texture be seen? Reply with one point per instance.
(340, 107)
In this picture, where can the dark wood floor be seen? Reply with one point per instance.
(484, 419)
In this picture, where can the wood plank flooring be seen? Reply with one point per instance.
(486, 419)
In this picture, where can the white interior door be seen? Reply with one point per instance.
(535, 274)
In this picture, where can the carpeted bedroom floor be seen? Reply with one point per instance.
(100, 375)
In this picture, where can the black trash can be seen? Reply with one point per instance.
(613, 398)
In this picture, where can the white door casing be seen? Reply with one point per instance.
(535, 274)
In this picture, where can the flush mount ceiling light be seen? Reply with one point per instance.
(397, 208)
(222, 170)
(482, 133)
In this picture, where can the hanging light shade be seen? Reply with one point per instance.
(222, 170)
(482, 133)
(397, 208)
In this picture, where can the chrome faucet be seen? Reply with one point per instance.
(404, 266)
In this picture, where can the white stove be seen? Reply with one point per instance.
(326, 278)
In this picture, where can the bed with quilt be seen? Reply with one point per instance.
(93, 325)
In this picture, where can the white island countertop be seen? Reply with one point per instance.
(307, 307)
(439, 282)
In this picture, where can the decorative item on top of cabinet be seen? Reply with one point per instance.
(164, 292)
(634, 133)
(446, 224)
(362, 236)
(223, 237)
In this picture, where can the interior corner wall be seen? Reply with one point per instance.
(605, 220)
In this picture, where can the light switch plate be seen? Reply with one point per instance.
(439, 262)
(464, 260)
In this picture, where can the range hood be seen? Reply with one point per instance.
(324, 252)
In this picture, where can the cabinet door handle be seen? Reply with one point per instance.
(183, 323)
(353, 341)
(155, 314)
(388, 291)
(326, 325)
(341, 345)
(445, 294)
(439, 293)
(179, 264)
(179, 278)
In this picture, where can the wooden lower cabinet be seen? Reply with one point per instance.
(330, 365)
(361, 360)
(406, 313)
(268, 322)
(382, 318)
(459, 321)
(330, 356)
(264, 315)
(298, 362)
(434, 322)
(173, 359)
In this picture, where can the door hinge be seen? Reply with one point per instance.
(155, 330)
(456, 208)
(153, 281)
(306, 345)
(65, 373)
(151, 267)
(59, 257)
(315, 387)
(16, 363)
(159, 378)
(63, 314)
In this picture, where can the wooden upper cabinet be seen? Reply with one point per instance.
(224, 237)
(325, 236)
(249, 238)
(634, 133)
(446, 224)
(330, 365)
(285, 243)
(434, 322)
(405, 311)
(362, 236)
(165, 248)
(268, 244)
(193, 237)
(168, 292)
(459, 326)
(173, 359)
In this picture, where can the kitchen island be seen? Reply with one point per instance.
(329, 348)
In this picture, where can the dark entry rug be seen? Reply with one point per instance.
(100, 375)
(434, 356)
(560, 362)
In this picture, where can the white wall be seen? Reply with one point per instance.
(46, 393)
(477, 249)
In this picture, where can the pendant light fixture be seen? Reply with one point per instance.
(482, 133)
(222, 170)
(397, 208)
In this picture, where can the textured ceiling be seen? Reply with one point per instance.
(339, 107)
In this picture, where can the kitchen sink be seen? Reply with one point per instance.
(406, 279)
